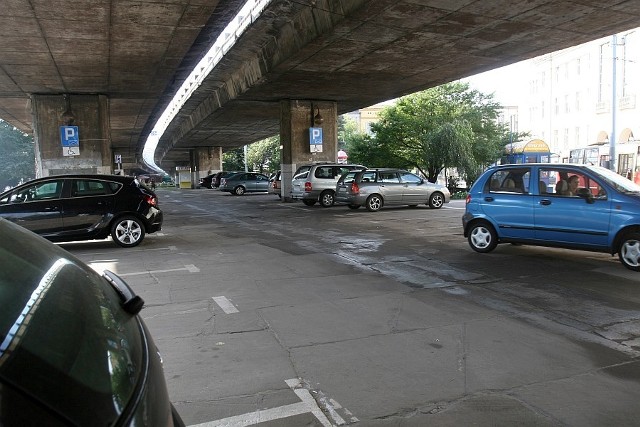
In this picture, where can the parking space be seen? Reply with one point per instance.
(276, 313)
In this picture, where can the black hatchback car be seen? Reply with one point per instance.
(84, 207)
(73, 349)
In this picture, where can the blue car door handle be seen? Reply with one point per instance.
(488, 199)
(545, 202)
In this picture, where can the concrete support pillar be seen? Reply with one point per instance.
(296, 117)
(90, 113)
(208, 160)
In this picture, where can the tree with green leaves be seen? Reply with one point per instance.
(233, 160)
(449, 126)
(17, 156)
(264, 155)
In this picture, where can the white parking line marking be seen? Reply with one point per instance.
(308, 405)
(225, 305)
(190, 268)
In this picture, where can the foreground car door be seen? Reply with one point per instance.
(36, 207)
(507, 201)
(89, 209)
(573, 220)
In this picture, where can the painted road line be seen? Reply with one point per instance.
(190, 268)
(225, 305)
(309, 401)
(308, 405)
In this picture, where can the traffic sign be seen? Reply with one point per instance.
(70, 151)
(69, 136)
(315, 140)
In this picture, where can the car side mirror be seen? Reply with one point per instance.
(130, 302)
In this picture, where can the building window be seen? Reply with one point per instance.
(566, 104)
(577, 102)
(602, 71)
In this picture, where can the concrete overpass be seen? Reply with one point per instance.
(298, 57)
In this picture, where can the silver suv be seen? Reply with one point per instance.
(317, 182)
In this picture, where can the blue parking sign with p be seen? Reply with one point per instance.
(69, 136)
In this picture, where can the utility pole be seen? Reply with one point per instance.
(612, 138)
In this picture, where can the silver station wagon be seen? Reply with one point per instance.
(375, 188)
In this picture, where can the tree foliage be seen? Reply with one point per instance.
(17, 156)
(233, 160)
(264, 155)
(449, 126)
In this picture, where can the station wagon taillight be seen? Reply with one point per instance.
(354, 188)
(307, 186)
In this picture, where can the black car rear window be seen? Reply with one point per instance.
(64, 339)
(92, 187)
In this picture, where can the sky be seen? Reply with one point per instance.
(508, 84)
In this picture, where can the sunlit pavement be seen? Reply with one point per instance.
(277, 314)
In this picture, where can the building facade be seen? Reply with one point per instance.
(585, 96)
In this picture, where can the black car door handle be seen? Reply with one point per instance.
(545, 202)
(51, 208)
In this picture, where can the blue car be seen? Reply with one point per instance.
(561, 205)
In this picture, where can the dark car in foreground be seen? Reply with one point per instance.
(560, 205)
(375, 188)
(84, 207)
(245, 182)
(73, 349)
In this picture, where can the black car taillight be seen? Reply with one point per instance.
(151, 200)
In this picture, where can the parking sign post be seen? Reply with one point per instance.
(70, 139)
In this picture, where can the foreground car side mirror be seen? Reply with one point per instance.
(130, 302)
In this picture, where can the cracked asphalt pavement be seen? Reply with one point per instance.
(385, 319)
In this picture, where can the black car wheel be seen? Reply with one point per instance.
(127, 231)
(436, 200)
(309, 202)
(482, 237)
(629, 252)
(239, 190)
(327, 199)
(374, 203)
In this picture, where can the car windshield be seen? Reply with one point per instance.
(619, 182)
(63, 333)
